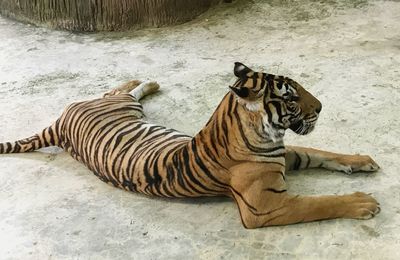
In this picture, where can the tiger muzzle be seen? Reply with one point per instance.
(303, 127)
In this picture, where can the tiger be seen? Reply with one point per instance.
(239, 153)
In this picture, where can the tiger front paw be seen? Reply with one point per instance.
(360, 205)
(357, 163)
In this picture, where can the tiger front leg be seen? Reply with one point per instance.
(284, 209)
(263, 201)
(301, 158)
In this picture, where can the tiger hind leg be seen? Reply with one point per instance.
(124, 88)
(138, 88)
(144, 89)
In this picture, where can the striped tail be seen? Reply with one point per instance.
(46, 138)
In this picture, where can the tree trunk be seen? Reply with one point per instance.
(104, 15)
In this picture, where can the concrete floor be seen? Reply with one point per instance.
(347, 53)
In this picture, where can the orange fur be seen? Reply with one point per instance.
(239, 153)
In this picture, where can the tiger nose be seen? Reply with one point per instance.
(318, 109)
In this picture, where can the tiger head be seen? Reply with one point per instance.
(282, 102)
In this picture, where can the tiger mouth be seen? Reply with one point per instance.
(302, 127)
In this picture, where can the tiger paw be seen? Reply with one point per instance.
(360, 205)
(357, 163)
(150, 87)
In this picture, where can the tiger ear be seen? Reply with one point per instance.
(240, 70)
(249, 83)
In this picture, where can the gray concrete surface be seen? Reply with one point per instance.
(345, 52)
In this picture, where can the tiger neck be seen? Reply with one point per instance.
(235, 134)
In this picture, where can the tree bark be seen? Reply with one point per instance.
(104, 15)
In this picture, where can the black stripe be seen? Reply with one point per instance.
(230, 104)
(225, 130)
(94, 138)
(253, 148)
(101, 133)
(170, 170)
(213, 158)
(130, 185)
(77, 122)
(155, 180)
(279, 84)
(245, 202)
(224, 138)
(297, 161)
(308, 160)
(254, 78)
(268, 111)
(167, 191)
(17, 148)
(9, 147)
(274, 190)
(107, 151)
(213, 142)
(46, 143)
(99, 118)
(188, 171)
(178, 172)
(52, 142)
(187, 174)
(278, 108)
(200, 163)
(123, 151)
(262, 81)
